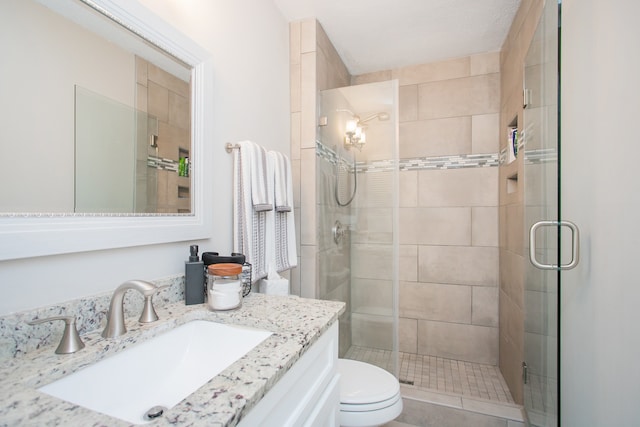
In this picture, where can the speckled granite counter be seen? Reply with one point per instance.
(296, 324)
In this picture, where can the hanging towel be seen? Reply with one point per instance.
(261, 196)
(282, 249)
(282, 182)
(250, 207)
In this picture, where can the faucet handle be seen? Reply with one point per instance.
(70, 342)
(148, 312)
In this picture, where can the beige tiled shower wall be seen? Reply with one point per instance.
(448, 217)
(512, 257)
(457, 226)
(166, 98)
(314, 66)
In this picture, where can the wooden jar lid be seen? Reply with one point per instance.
(225, 269)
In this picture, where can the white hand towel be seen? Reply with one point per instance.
(282, 182)
(284, 255)
(250, 224)
(261, 197)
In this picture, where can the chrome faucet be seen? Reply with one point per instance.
(115, 318)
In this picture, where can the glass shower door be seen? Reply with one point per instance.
(541, 204)
(357, 196)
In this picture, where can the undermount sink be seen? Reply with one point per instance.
(159, 372)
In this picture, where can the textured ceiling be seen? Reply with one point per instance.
(375, 35)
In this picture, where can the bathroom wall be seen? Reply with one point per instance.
(512, 256)
(314, 66)
(599, 191)
(251, 85)
(449, 118)
(48, 69)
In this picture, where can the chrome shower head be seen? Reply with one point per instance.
(380, 116)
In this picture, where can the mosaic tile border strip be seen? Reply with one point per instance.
(541, 155)
(326, 153)
(458, 161)
(534, 157)
(163, 164)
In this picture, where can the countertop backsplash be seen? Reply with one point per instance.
(18, 338)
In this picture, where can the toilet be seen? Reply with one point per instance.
(369, 395)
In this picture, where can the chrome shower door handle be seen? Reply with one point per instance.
(575, 245)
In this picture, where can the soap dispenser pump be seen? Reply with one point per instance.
(194, 278)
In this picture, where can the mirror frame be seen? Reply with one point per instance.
(31, 235)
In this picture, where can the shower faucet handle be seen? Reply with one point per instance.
(339, 232)
(71, 341)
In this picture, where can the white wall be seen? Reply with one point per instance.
(600, 193)
(249, 43)
(44, 56)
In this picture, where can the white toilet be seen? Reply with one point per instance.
(369, 395)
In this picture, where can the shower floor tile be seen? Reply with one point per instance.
(440, 374)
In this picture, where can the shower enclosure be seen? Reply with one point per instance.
(357, 188)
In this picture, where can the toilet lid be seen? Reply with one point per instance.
(362, 383)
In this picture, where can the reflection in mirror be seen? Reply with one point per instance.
(95, 119)
(37, 130)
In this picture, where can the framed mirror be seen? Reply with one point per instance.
(107, 137)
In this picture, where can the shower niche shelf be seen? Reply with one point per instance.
(512, 140)
(512, 183)
(510, 166)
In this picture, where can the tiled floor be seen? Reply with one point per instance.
(540, 395)
(439, 374)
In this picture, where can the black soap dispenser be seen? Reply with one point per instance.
(193, 278)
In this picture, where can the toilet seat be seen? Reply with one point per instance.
(368, 407)
(369, 395)
(365, 384)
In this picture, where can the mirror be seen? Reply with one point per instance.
(47, 95)
(99, 116)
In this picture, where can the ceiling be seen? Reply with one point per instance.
(375, 35)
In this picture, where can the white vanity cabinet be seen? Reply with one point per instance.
(308, 394)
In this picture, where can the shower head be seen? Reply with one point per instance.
(380, 116)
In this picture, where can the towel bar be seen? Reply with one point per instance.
(230, 147)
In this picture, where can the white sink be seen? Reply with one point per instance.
(159, 372)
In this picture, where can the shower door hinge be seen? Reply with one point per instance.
(525, 373)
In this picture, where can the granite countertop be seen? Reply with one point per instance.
(296, 324)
